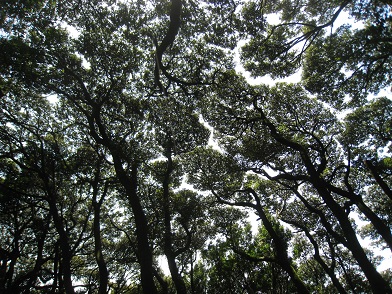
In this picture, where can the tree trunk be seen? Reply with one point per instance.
(317, 256)
(168, 246)
(281, 251)
(66, 255)
(384, 186)
(103, 271)
(143, 245)
(377, 282)
(129, 182)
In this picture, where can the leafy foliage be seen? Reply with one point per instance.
(108, 111)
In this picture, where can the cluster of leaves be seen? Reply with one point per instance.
(106, 113)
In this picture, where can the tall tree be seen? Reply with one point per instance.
(107, 109)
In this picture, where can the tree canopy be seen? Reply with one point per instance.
(136, 157)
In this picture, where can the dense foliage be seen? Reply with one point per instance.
(136, 158)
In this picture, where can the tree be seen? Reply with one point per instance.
(309, 142)
(108, 108)
(263, 124)
(107, 99)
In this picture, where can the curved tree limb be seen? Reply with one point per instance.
(174, 26)
(373, 170)
(168, 39)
